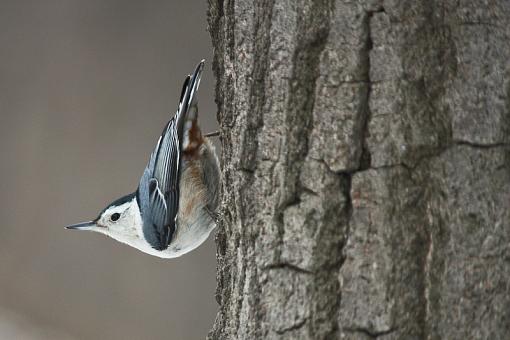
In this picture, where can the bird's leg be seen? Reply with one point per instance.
(212, 134)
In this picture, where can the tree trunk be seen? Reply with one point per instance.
(365, 157)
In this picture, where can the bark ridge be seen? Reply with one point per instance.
(366, 169)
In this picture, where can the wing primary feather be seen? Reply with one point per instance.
(163, 168)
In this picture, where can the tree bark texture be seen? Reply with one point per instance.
(366, 157)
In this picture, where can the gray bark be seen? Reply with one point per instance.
(366, 185)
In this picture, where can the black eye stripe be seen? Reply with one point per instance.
(115, 217)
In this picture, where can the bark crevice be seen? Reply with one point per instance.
(364, 169)
(371, 334)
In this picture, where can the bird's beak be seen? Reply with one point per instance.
(82, 226)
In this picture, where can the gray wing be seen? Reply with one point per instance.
(160, 182)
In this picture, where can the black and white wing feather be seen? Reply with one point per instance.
(159, 185)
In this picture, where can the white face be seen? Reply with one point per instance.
(120, 221)
(124, 224)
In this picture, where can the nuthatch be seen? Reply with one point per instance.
(173, 210)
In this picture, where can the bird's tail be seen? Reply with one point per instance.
(187, 112)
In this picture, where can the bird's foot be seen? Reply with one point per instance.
(212, 134)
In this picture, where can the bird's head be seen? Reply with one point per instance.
(120, 220)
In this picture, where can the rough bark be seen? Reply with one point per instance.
(366, 169)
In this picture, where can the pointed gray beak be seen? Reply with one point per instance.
(82, 226)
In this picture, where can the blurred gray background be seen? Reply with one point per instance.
(85, 90)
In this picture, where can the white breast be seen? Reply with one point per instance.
(194, 221)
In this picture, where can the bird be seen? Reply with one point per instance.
(174, 208)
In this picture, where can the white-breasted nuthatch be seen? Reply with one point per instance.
(173, 210)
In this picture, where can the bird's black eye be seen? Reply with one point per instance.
(115, 217)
